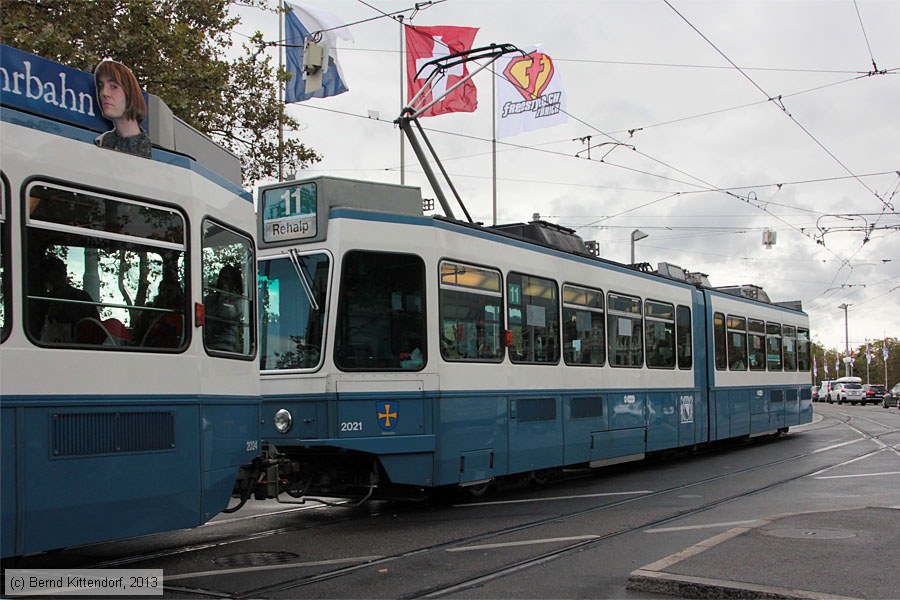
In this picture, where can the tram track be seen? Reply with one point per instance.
(481, 578)
(581, 545)
(837, 420)
(248, 537)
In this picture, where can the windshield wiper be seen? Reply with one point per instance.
(302, 274)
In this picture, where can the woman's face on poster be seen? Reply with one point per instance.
(112, 98)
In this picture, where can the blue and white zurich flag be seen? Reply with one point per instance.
(298, 24)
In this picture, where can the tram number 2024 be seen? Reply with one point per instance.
(252, 445)
(351, 426)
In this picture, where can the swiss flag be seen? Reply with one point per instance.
(427, 43)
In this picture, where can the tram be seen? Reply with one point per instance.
(125, 410)
(401, 352)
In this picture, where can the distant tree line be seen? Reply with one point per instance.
(875, 368)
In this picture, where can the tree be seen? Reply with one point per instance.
(176, 49)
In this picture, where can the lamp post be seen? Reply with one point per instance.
(636, 235)
(845, 306)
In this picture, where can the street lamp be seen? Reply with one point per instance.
(845, 306)
(636, 235)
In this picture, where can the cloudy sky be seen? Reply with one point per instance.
(820, 167)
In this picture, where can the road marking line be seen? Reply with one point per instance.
(707, 526)
(317, 563)
(860, 475)
(524, 543)
(827, 448)
(525, 500)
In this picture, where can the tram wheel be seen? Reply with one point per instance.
(477, 491)
(540, 477)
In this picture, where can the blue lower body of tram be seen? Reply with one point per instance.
(78, 470)
(464, 438)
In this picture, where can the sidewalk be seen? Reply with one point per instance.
(822, 555)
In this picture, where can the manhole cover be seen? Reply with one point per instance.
(256, 559)
(810, 534)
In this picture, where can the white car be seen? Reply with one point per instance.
(847, 389)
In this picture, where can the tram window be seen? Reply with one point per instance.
(4, 259)
(584, 340)
(101, 270)
(773, 346)
(291, 312)
(659, 324)
(626, 339)
(533, 317)
(737, 343)
(789, 347)
(471, 309)
(803, 349)
(757, 342)
(381, 313)
(719, 339)
(684, 337)
(228, 320)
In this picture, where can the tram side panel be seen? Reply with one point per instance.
(603, 418)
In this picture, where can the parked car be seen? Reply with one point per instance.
(892, 397)
(873, 392)
(847, 389)
(815, 393)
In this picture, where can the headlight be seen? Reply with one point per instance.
(283, 421)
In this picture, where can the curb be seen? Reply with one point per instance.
(653, 577)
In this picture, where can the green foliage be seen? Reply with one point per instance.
(876, 367)
(176, 49)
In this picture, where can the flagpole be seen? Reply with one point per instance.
(402, 104)
(494, 140)
(280, 91)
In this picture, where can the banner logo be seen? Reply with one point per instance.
(531, 74)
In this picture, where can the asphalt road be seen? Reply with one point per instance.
(577, 537)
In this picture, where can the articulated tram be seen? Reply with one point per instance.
(401, 352)
(124, 408)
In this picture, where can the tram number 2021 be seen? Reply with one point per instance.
(352, 426)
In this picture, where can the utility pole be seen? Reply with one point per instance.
(845, 306)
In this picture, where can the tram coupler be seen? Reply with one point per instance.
(275, 467)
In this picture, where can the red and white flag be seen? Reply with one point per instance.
(424, 44)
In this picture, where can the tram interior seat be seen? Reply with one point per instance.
(166, 331)
(111, 332)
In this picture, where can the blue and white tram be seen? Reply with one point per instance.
(124, 410)
(401, 352)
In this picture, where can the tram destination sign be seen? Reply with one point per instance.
(289, 212)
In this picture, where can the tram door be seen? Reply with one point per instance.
(535, 433)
